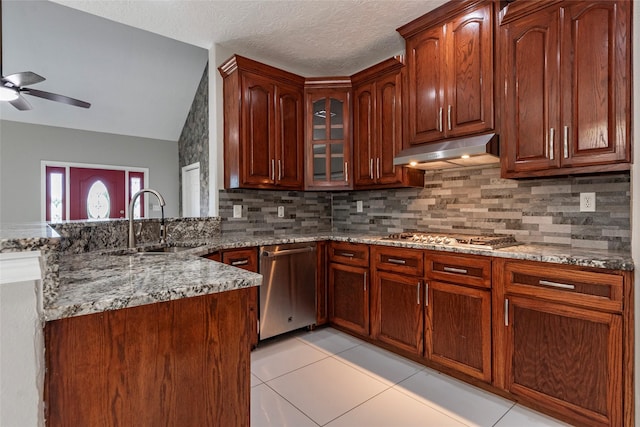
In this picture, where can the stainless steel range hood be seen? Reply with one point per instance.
(453, 153)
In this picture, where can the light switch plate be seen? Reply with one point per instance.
(237, 211)
(280, 211)
(359, 206)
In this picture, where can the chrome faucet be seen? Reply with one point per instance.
(132, 234)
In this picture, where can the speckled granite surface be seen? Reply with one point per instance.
(114, 278)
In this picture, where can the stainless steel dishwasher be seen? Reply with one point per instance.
(288, 291)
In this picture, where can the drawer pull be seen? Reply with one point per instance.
(396, 261)
(240, 262)
(556, 284)
(347, 254)
(455, 270)
(506, 312)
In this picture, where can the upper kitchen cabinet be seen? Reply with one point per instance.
(377, 128)
(263, 126)
(328, 134)
(450, 72)
(566, 72)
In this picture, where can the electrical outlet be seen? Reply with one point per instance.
(359, 206)
(587, 202)
(237, 211)
(280, 211)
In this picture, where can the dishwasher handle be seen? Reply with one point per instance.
(273, 254)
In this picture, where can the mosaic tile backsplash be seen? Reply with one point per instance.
(467, 200)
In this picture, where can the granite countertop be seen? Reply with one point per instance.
(113, 279)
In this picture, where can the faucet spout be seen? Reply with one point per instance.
(132, 234)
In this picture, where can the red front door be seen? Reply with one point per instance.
(96, 193)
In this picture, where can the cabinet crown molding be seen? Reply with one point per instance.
(390, 65)
(237, 62)
(439, 15)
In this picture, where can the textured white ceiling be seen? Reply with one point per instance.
(308, 37)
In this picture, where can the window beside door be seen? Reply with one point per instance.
(91, 192)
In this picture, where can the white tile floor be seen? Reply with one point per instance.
(328, 378)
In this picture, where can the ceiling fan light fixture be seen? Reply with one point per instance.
(8, 94)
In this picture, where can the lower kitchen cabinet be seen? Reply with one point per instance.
(397, 311)
(246, 259)
(458, 313)
(322, 279)
(349, 297)
(561, 341)
(176, 363)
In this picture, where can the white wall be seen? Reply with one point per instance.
(23, 146)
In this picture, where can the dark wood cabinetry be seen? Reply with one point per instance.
(247, 259)
(176, 363)
(328, 134)
(396, 298)
(377, 127)
(450, 72)
(458, 313)
(560, 339)
(263, 113)
(349, 286)
(566, 72)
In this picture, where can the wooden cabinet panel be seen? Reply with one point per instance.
(458, 328)
(450, 72)
(349, 253)
(462, 269)
(566, 96)
(398, 260)
(322, 297)
(247, 259)
(364, 137)
(183, 362)
(566, 358)
(349, 297)
(396, 302)
(263, 129)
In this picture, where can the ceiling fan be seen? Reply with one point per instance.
(13, 86)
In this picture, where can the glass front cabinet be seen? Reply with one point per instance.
(328, 135)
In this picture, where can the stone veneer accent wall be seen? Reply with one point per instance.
(542, 210)
(193, 145)
(304, 212)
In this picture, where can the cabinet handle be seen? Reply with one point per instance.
(455, 270)
(552, 137)
(396, 261)
(279, 169)
(449, 117)
(365, 281)
(440, 120)
(556, 284)
(426, 294)
(347, 254)
(346, 171)
(273, 170)
(378, 167)
(371, 167)
(240, 262)
(506, 312)
(418, 293)
(566, 142)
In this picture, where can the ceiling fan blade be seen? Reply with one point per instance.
(21, 103)
(24, 78)
(55, 97)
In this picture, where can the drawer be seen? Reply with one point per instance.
(398, 260)
(349, 253)
(246, 258)
(460, 269)
(565, 284)
(214, 256)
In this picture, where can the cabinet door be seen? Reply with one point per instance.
(328, 140)
(364, 137)
(458, 328)
(595, 83)
(397, 311)
(349, 297)
(257, 124)
(389, 128)
(567, 359)
(425, 62)
(469, 106)
(289, 134)
(247, 259)
(531, 103)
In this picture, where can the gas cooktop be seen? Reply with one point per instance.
(493, 241)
